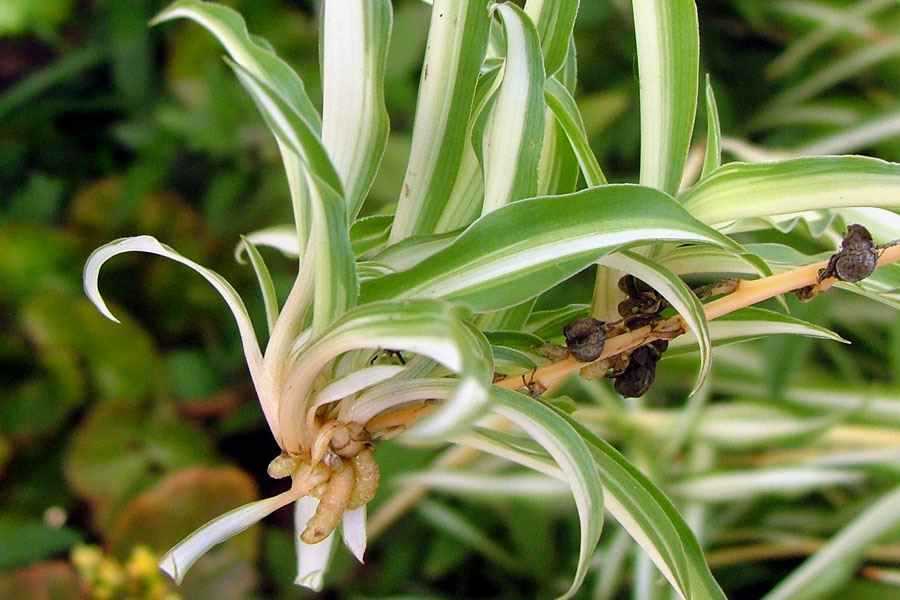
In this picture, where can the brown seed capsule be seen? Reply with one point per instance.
(585, 338)
(856, 259)
(367, 476)
(636, 380)
(332, 504)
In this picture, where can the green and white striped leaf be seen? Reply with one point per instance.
(567, 114)
(264, 278)
(413, 250)
(258, 59)
(679, 296)
(151, 245)
(712, 159)
(427, 327)
(456, 45)
(525, 248)
(745, 190)
(554, 20)
(354, 47)
(370, 233)
(557, 437)
(668, 48)
(834, 564)
(510, 138)
(749, 324)
(331, 254)
(467, 196)
(651, 520)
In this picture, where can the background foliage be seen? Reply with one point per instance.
(132, 435)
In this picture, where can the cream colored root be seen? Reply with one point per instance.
(332, 504)
(365, 468)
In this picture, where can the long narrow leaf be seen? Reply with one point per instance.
(456, 45)
(567, 114)
(355, 39)
(713, 156)
(513, 128)
(574, 459)
(529, 246)
(555, 20)
(151, 245)
(744, 190)
(668, 47)
(332, 255)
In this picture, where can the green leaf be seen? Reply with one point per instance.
(39, 541)
(266, 286)
(668, 48)
(554, 20)
(573, 456)
(525, 248)
(745, 190)
(679, 296)
(834, 564)
(713, 157)
(457, 40)
(427, 327)
(355, 38)
(329, 253)
(565, 109)
(511, 135)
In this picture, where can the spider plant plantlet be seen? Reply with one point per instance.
(400, 324)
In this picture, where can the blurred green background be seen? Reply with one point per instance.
(131, 435)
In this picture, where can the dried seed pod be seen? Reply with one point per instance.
(332, 504)
(367, 475)
(636, 380)
(856, 259)
(645, 356)
(585, 338)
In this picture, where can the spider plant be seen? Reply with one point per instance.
(421, 322)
